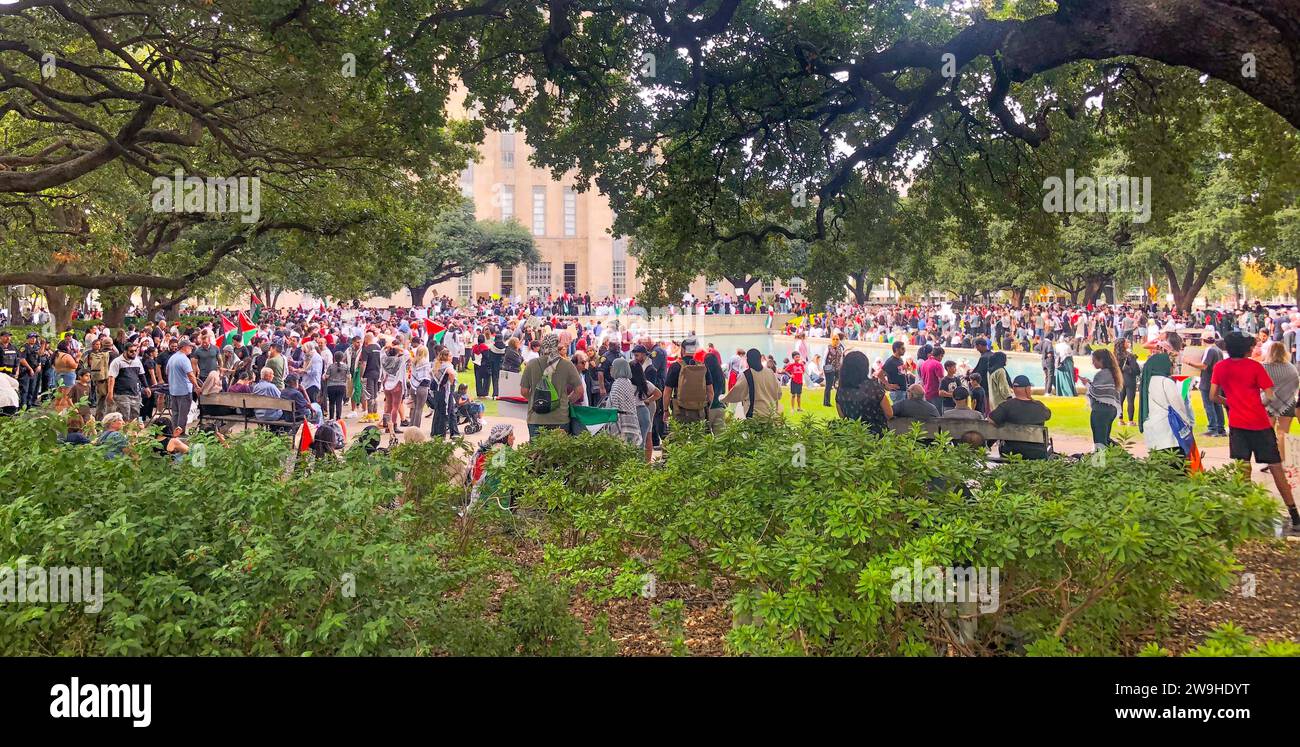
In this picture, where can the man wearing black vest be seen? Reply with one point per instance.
(126, 383)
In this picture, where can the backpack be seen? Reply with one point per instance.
(545, 396)
(692, 393)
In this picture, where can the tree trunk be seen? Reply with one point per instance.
(59, 306)
(16, 308)
(115, 315)
(116, 303)
(417, 293)
(1186, 289)
(858, 287)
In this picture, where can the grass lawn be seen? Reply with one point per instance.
(1069, 416)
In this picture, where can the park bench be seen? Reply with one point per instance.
(957, 427)
(244, 406)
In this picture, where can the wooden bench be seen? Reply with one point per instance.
(244, 406)
(957, 427)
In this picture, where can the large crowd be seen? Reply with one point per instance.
(389, 370)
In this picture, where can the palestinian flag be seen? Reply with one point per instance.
(256, 305)
(304, 438)
(434, 330)
(226, 327)
(593, 418)
(243, 335)
(768, 322)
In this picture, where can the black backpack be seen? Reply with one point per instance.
(545, 396)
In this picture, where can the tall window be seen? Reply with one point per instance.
(539, 211)
(711, 287)
(769, 287)
(570, 212)
(619, 279)
(570, 277)
(796, 285)
(507, 282)
(539, 278)
(508, 149)
(467, 181)
(507, 201)
(465, 287)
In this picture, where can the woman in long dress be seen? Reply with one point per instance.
(1064, 380)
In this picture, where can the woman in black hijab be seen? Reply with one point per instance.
(861, 396)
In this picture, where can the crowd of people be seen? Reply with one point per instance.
(383, 368)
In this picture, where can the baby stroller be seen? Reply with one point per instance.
(468, 418)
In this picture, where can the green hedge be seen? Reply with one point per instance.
(807, 527)
(804, 529)
(226, 553)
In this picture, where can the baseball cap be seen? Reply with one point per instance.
(640, 349)
(1021, 381)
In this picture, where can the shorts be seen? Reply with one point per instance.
(796, 389)
(67, 378)
(1262, 444)
(1288, 412)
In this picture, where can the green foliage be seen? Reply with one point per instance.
(804, 527)
(232, 557)
(1230, 640)
(457, 244)
(809, 551)
(669, 620)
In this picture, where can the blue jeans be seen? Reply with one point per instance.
(1213, 413)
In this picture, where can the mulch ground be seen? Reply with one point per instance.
(707, 620)
(1269, 611)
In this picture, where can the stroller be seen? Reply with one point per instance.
(468, 419)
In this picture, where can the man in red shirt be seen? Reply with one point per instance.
(1237, 382)
(795, 369)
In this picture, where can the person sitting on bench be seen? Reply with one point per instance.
(1022, 409)
(267, 388)
(294, 393)
(212, 385)
(915, 406)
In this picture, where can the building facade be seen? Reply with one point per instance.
(571, 228)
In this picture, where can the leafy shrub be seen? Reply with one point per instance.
(562, 475)
(237, 557)
(808, 524)
(1230, 640)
